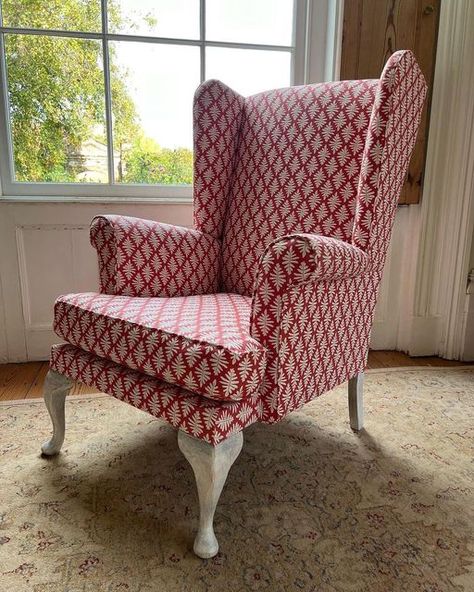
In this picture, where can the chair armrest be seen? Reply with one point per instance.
(146, 258)
(294, 261)
(312, 310)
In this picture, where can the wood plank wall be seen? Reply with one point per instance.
(372, 31)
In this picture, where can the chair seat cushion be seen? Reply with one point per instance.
(200, 417)
(201, 343)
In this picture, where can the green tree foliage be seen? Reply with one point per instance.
(56, 94)
(53, 104)
(146, 162)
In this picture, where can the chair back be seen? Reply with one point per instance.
(325, 159)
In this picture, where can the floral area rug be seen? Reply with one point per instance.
(308, 505)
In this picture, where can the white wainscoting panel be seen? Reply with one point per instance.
(3, 329)
(395, 285)
(46, 252)
(52, 260)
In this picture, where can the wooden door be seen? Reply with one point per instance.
(372, 31)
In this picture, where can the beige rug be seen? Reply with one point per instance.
(309, 506)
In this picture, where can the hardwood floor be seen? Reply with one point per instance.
(395, 359)
(25, 381)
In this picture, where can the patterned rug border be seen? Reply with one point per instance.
(469, 367)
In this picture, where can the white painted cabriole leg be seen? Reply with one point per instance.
(211, 465)
(56, 387)
(356, 402)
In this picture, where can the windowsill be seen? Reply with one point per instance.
(95, 200)
(113, 199)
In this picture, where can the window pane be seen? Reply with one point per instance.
(56, 94)
(249, 21)
(157, 18)
(249, 71)
(152, 94)
(70, 15)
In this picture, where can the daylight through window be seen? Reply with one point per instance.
(100, 91)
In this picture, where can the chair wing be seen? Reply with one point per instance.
(217, 116)
(390, 141)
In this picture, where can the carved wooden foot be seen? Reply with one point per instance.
(56, 387)
(356, 402)
(211, 465)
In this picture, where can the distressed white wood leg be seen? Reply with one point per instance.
(56, 387)
(356, 402)
(211, 465)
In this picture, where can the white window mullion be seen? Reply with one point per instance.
(108, 95)
(300, 34)
(323, 35)
(202, 37)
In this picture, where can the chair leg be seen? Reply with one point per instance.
(356, 402)
(56, 387)
(211, 465)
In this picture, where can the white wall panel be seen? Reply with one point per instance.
(397, 281)
(46, 252)
(52, 260)
(47, 265)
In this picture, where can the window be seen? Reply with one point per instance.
(96, 95)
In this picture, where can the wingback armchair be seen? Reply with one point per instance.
(269, 301)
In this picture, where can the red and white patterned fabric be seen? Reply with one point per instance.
(295, 196)
(217, 116)
(298, 167)
(297, 298)
(201, 343)
(323, 324)
(211, 421)
(145, 258)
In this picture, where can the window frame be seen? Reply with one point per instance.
(305, 27)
